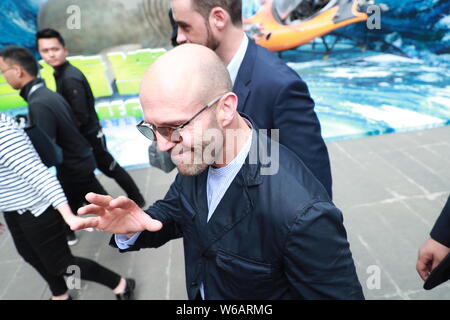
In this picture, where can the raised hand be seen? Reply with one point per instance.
(119, 216)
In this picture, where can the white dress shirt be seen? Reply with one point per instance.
(235, 63)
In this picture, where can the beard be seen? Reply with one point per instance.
(211, 42)
(193, 160)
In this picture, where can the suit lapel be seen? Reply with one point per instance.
(200, 207)
(233, 207)
(242, 83)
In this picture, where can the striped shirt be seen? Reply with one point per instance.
(25, 182)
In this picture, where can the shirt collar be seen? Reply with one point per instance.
(25, 91)
(237, 162)
(59, 69)
(235, 63)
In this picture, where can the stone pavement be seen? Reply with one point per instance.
(391, 188)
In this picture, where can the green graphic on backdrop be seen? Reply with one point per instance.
(121, 70)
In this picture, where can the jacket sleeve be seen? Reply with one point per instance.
(75, 94)
(317, 258)
(300, 130)
(169, 212)
(441, 229)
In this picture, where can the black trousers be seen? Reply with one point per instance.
(41, 241)
(77, 186)
(109, 166)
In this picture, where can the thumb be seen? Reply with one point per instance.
(152, 224)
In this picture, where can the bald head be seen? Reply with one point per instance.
(189, 108)
(187, 76)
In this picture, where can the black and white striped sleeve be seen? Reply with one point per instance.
(18, 156)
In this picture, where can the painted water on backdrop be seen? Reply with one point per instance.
(356, 93)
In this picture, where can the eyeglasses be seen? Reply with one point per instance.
(170, 133)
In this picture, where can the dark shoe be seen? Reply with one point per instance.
(72, 239)
(128, 293)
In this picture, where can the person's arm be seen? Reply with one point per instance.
(317, 258)
(75, 94)
(300, 130)
(26, 164)
(436, 248)
(441, 229)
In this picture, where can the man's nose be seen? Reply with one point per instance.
(181, 37)
(164, 144)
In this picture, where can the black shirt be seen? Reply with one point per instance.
(74, 87)
(50, 112)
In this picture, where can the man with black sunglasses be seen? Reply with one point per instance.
(247, 233)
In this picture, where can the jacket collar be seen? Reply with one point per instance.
(244, 76)
(60, 69)
(28, 89)
(250, 171)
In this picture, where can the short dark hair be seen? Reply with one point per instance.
(233, 7)
(48, 34)
(21, 56)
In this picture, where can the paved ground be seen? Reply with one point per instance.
(390, 188)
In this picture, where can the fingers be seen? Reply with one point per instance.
(91, 209)
(86, 223)
(123, 203)
(98, 199)
(423, 269)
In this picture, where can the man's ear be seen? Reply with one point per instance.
(219, 18)
(18, 70)
(227, 109)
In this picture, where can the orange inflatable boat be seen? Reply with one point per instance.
(286, 24)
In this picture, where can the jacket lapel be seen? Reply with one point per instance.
(236, 203)
(242, 83)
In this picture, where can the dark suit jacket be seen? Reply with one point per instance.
(441, 229)
(275, 97)
(271, 237)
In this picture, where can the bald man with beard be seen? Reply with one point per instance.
(248, 233)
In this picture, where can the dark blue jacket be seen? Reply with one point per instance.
(275, 97)
(271, 237)
(441, 228)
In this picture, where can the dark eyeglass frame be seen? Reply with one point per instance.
(149, 130)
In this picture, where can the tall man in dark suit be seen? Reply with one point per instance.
(74, 87)
(270, 92)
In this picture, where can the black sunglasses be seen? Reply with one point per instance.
(149, 130)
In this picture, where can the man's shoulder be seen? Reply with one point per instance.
(72, 73)
(267, 63)
(293, 177)
(47, 98)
